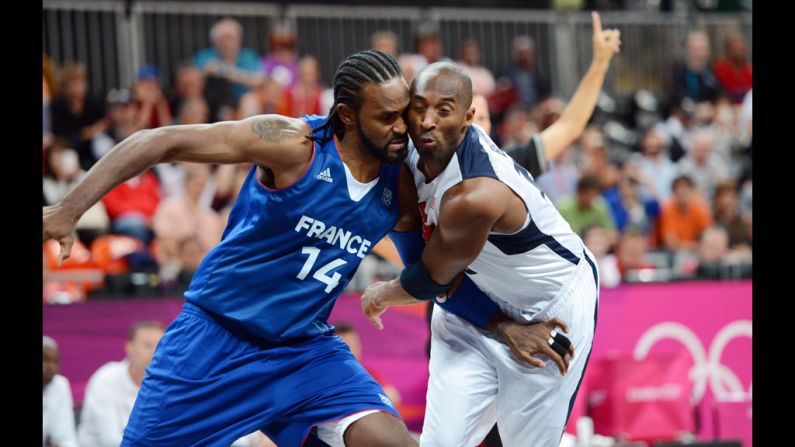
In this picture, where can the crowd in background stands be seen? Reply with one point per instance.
(675, 203)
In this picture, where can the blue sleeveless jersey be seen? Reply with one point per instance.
(286, 254)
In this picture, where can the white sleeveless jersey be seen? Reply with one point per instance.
(522, 272)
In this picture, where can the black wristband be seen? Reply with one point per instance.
(418, 282)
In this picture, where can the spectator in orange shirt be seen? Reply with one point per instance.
(684, 217)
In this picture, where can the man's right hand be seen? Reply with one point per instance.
(606, 43)
(58, 225)
(526, 340)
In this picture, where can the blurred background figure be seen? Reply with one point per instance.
(112, 389)
(350, 336)
(58, 418)
(281, 63)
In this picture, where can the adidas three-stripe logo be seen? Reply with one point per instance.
(325, 175)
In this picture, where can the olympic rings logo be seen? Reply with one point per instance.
(707, 367)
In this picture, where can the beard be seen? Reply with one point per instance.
(382, 152)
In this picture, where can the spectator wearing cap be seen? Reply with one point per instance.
(151, 104)
(77, 116)
(684, 217)
(281, 63)
(122, 122)
(228, 61)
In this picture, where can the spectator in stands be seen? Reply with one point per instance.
(281, 64)
(588, 208)
(726, 142)
(226, 61)
(386, 42)
(112, 389)
(75, 115)
(693, 78)
(122, 122)
(61, 173)
(629, 205)
(597, 240)
(194, 111)
(190, 85)
(516, 129)
(264, 99)
(631, 252)
(546, 112)
(131, 206)
(469, 58)
(58, 418)
(151, 104)
(684, 217)
(350, 336)
(183, 218)
(482, 117)
(726, 212)
(46, 118)
(734, 71)
(653, 163)
(713, 249)
(703, 165)
(428, 48)
(303, 97)
(676, 128)
(559, 181)
(523, 75)
(594, 158)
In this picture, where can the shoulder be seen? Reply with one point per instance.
(475, 199)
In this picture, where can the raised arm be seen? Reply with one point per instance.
(278, 143)
(557, 137)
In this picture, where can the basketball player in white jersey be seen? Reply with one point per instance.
(484, 217)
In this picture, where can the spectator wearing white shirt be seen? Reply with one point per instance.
(112, 389)
(58, 418)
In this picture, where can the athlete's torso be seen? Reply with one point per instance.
(286, 254)
(523, 271)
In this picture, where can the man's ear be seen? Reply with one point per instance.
(346, 114)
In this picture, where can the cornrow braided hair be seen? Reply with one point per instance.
(357, 70)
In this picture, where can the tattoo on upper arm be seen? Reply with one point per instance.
(273, 130)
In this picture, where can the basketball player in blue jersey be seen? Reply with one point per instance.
(252, 349)
(484, 217)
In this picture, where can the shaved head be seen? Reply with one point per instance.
(449, 79)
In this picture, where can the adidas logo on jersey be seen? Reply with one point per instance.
(325, 175)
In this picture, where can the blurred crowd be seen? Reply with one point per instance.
(659, 185)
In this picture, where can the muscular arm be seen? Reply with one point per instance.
(469, 211)
(279, 143)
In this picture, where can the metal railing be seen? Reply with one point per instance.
(114, 40)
